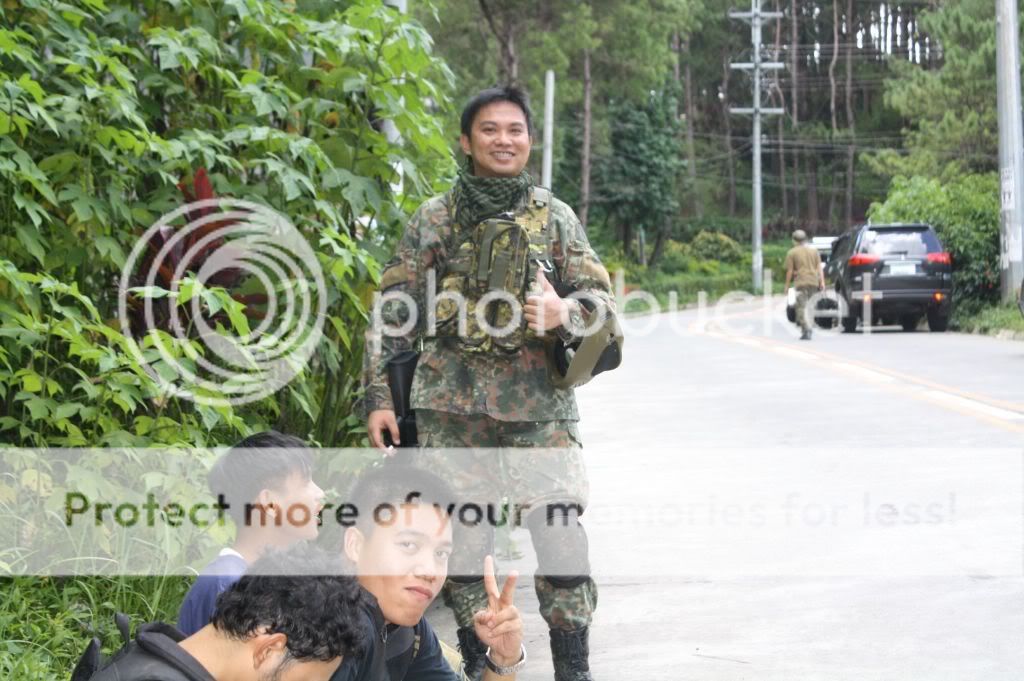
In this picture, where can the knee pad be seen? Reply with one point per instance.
(566, 582)
(561, 544)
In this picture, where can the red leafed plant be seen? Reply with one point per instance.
(187, 256)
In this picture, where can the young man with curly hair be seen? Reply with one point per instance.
(292, 618)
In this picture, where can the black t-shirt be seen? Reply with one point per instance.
(396, 653)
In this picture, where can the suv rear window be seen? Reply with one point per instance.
(909, 241)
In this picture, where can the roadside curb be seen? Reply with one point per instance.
(1001, 334)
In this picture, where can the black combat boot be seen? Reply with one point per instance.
(473, 651)
(570, 652)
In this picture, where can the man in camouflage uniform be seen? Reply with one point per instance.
(478, 392)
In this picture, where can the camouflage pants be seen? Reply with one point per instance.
(529, 463)
(803, 296)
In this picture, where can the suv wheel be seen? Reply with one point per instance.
(909, 322)
(937, 321)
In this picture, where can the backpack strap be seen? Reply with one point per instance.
(89, 663)
(541, 196)
(123, 624)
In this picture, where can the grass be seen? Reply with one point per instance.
(46, 622)
(992, 319)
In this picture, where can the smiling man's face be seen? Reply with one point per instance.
(499, 140)
(404, 560)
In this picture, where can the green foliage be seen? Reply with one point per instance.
(46, 623)
(676, 257)
(715, 246)
(129, 100)
(630, 56)
(992, 319)
(70, 379)
(951, 109)
(965, 213)
(105, 106)
(637, 180)
(735, 228)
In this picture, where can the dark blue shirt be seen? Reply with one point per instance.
(197, 608)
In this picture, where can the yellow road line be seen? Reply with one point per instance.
(995, 412)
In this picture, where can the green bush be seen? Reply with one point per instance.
(737, 229)
(716, 246)
(774, 257)
(675, 258)
(993, 318)
(965, 213)
(111, 105)
(108, 106)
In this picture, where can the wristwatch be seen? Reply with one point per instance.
(511, 669)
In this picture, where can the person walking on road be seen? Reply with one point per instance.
(478, 388)
(804, 271)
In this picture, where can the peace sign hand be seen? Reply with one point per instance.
(499, 626)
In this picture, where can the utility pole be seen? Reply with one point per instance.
(1011, 150)
(755, 17)
(549, 128)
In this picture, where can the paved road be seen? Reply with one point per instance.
(766, 508)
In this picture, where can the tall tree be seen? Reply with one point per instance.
(794, 97)
(950, 110)
(780, 101)
(642, 168)
(503, 20)
(691, 116)
(588, 98)
(730, 153)
(850, 34)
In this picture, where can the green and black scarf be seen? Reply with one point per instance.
(478, 198)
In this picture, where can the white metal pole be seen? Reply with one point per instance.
(1011, 150)
(549, 128)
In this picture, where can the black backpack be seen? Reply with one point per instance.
(154, 655)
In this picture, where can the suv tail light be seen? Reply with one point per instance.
(940, 258)
(863, 259)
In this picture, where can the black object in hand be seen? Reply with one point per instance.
(401, 370)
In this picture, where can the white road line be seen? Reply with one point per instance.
(973, 405)
(867, 374)
(750, 342)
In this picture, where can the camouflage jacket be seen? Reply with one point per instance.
(508, 388)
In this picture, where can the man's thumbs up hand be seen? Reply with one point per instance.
(545, 311)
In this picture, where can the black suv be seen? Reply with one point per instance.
(900, 272)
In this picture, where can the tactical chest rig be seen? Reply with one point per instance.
(490, 270)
